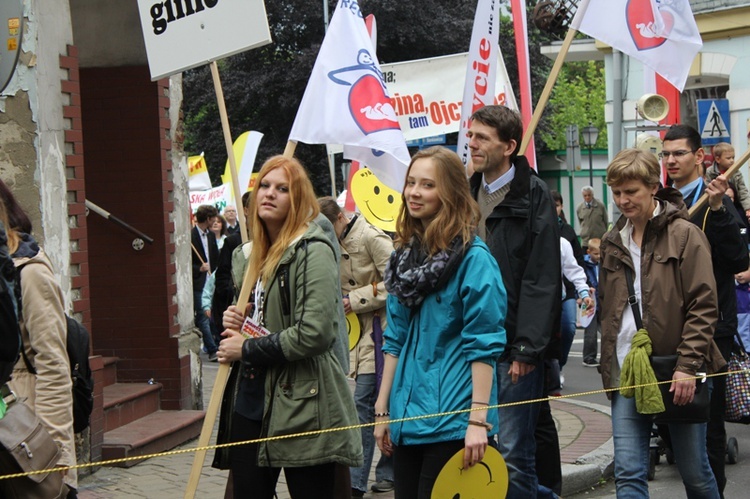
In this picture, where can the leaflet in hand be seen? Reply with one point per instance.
(252, 330)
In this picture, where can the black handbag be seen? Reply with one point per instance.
(697, 411)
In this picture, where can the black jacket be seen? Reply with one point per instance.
(729, 254)
(199, 278)
(524, 237)
(224, 292)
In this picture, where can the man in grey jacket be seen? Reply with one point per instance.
(592, 217)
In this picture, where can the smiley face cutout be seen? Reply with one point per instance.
(487, 478)
(378, 203)
(352, 329)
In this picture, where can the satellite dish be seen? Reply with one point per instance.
(652, 107)
(649, 143)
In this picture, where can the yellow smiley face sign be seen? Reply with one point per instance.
(352, 328)
(487, 478)
(378, 203)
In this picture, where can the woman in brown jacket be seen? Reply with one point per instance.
(677, 298)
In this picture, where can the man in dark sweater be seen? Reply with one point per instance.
(682, 156)
(519, 224)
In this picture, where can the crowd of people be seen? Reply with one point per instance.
(448, 309)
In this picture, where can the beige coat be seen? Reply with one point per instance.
(365, 251)
(44, 332)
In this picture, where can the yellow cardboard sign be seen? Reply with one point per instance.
(353, 329)
(378, 203)
(487, 478)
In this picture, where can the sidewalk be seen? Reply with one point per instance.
(584, 430)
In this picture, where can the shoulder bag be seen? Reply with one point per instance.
(697, 411)
(25, 445)
(738, 385)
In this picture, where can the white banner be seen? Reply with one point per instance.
(480, 71)
(218, 196)
(427, 93)
(183, 34)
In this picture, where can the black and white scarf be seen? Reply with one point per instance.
(410, 275)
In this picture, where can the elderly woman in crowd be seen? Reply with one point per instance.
(676, 296)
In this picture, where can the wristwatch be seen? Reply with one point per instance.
(720, 209)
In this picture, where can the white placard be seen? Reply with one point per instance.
(427, 93)
(183, 34)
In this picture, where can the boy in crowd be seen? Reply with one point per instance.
(723, 159)
(590, 338)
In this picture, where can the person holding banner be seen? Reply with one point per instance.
(291, 381)
(445, 328)
(205, 259)
(519, 225)
(365, 251)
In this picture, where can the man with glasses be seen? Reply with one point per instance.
(682, 156)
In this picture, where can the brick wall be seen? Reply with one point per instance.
(128, 173)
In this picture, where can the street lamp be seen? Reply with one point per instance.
(590, 134)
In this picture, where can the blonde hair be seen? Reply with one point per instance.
(303, 208)
(721, 148)
(9, 231)
(594, 243)
(634, 164)
(459, 213)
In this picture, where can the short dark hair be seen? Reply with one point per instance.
(329, 208)
(506, 122)
(204, 212)
(246, 199)
(677, 132)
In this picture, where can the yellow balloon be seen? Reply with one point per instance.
(487, 478)
(378, 203)
(352, 328)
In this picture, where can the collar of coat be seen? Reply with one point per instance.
(518, 195)
(669, 212)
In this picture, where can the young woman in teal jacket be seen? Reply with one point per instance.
(445, 328)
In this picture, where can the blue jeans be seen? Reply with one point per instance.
(365, 394)
(632, 432)
(203, 323)
(516, 440)
(567, 328)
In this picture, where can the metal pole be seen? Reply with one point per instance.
(591, 168)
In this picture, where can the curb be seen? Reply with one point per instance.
(590, 469)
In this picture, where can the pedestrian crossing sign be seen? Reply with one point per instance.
(713, 121)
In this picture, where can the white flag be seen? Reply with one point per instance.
(346, 101)
(662, 34)
(481, 68)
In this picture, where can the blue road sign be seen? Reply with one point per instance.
(713, 121)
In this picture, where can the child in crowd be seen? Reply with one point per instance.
(590, 338)
(723, 159)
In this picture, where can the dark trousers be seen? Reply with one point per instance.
(251, 481)
(716, 434)
(548, 463)
(416, 467)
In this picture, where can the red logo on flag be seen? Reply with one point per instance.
(643, 28)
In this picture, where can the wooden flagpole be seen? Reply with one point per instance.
(223, 373)
(551, 79)
(730, 171)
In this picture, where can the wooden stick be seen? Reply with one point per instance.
(230, 150)
(197, 254)
(551, 79)
(731, 171)
(222, 374)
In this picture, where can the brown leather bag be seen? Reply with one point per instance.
(25, 445)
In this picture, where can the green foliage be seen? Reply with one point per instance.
(577, 98)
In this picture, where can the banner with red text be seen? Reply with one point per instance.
(479, 81)
(219, 197)
(427, 93)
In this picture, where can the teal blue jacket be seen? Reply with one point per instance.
(436, 345)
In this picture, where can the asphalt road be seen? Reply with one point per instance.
(667, 484)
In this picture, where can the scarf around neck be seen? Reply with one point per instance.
(411, 275)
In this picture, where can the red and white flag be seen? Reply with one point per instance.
(481, 68)
(346, 101)
(521, 33)
(662, 34)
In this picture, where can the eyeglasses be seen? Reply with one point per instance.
(675, 154)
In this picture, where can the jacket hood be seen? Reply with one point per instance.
(669, 212)
(315, 232)
(672, 196)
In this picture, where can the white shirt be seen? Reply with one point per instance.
(500, 182)
(627, 324)
(204, 239)
(571, 270)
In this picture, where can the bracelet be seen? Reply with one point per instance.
(382, 414)
(485, 424)
(480, 403)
